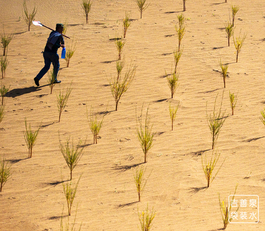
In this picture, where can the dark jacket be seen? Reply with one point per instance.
(54, 42)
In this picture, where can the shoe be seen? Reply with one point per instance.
(56, 81)
(36, 82)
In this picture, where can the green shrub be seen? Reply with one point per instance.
(5, 40)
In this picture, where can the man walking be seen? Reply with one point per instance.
(50, 55)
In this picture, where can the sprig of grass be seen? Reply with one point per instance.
(224, 68)
(145, 134)
(119, 44)
(146, 218)
(30, 137)
(126, 24)
(234, 9)
(95, 126)
(3, 91)
(216, 121)
(173, 113)
(87, 7)
(62, 101)
(70, 193)
(172, 83)
(29, 17)
(2, 113)
(238, 42)
(72, 154)
(225, 208)
(142, 6)
(4, 63)
(229, 29)
(208, 166)
(119, 86)
(5, 40)
(5, 173)
(233, 101)
(139, 180)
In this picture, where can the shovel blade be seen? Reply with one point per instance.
(36, 23)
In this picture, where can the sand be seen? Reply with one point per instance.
(106, 198)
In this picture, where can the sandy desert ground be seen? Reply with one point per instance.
(106, 199)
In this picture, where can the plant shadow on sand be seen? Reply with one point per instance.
(57, 217)
(126, 204)
(55, 183)
(124, 168)
(200, 152)
(22, 91)
(253, 139)
(197, 189)
(14, 161)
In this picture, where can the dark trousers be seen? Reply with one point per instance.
(49, 58)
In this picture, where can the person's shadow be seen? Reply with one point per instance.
(22, 91)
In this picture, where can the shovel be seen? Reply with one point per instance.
(38, 23)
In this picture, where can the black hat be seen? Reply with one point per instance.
(59, 25)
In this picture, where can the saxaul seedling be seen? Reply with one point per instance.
(51, 80)
(87, 7)
(229, 29)
(5, 40)
(233, 101)
(5, 173)
(30, 137)
(180, 29)
(3, 91)
(238, 42)
(29, 17)
(225, 208)
(72, 154)
(146, 218)
(208, 166)
(120, 44)
(126, 24)
(184, 5)
(173, 113)
(262, 118)
(235, 9)
(142, 6)
(145, 134)
(172, 83)
(177, 56)
(2, 113)
(95, 125)
(4, 63)
(216, 121)
(69, 191)
(119, 86)
(119, 67)
(69, 53)
(139, 180)
(224, 72)
(62, 101)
